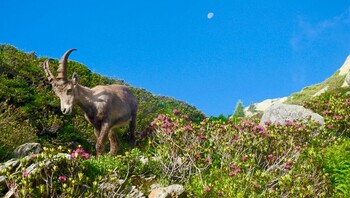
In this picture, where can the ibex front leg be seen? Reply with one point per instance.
(101, 139)
(113, 143)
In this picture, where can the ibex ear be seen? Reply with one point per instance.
(75, 78)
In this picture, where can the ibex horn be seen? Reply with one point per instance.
(62, 67)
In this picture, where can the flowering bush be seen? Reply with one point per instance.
(335, 108)
(79, 153)
(47, 174)
(56, 174)
(214, 158)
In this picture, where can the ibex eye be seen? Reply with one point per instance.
(69, 91)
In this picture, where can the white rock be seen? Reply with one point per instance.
(285, 112)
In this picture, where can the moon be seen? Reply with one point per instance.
(210, 15)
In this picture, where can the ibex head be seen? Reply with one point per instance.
(64, 88)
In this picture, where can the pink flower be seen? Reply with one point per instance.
(34, 155)
(233, 166)
(85, 155)
(206, 188)
(160, 117)
(208, 160)
(260, 128)
(337, 117)
(187, 128)
(231, 173)
(167, 124)
(184, 116)
(297, 148)
(10, 184)
(247, 123)
(326, 112)
(62, 178)
(289, 162)
(329, 126)
(176, 112)
(244, 158)
(25, 174)
(270, 156)
(79, 152)
(235, 137)
(288, 123)
(238, 170)
(153, 123)
(203, 137)
(267, 122)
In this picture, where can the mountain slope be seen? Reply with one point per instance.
(29, 109)
(336, 81)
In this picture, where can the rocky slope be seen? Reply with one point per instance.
(336, 81)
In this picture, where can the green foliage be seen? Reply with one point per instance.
(28, 106)
(337, 163)
(252, 108)
(334, 107)
(221, 118)
(331, 84)
(11, 134)
(239, 112)
(55, 174)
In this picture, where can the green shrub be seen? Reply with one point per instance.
(335, 108)
(56, 174)
(337, 163)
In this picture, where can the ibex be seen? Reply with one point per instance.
(105, 107)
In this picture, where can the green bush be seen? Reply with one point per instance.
(337, 163)
(56, 174)
(335, 108)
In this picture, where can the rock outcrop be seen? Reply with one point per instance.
(172, 191)
(262, 106)
(280, 113)
(26, 149)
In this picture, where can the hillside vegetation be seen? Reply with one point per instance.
(331, 84)
(30, 111)
(177, 144)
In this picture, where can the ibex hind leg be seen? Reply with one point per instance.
(113, 143)
(132, 127)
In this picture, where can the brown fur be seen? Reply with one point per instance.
(105, 107)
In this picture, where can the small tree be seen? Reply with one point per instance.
(252, 108)
(239, 111)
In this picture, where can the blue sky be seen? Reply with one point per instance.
(249, 50)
